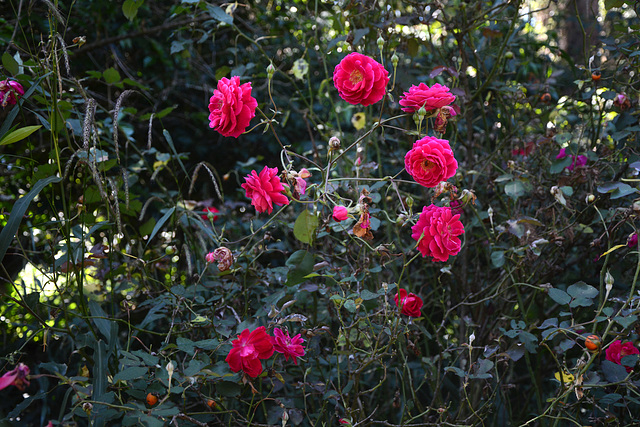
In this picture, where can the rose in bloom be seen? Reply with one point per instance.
(10, 91)
(247, 351)
(17, 377)
(616, 351)
(340, 213)
(580, 160)
(206, 211)
(290, 347)
(430, 161)
(265, 189)
(436, 96)
(410, 304)
(360, 79)
(437, 232)
(232, 107)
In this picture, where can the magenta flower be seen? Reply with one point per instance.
(437, 230)
(617, 350)
(247, 351)
(580, 160)
(10, 91)
(265, 189)
(340, 213)
(205, 213)
(436, 96)
(360, 79)
(16, 377)
(632, 240)
(290, 347)
(231, 107)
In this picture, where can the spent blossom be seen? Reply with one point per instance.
(17, 377)
(223, 256)
(10, 91)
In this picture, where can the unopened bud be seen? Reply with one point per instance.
(394, 60)
(380, 42)
(270, 71)
(87, 407)
(422, 112)
(410, 201)
(170, 250)
(590, 198)
(608, 281)
(170, 368)
(334, 143)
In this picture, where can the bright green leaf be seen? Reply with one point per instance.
(19, 134)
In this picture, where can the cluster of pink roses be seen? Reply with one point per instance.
(251, 347)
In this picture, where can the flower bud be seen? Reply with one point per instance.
(270, 71)
(394, 60)
(590, 198)
(380, 42)
(422, 112)
(170, 250)
(409, 202)
(87, 407)
(608, 281)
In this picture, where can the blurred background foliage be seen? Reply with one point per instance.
(104, 279)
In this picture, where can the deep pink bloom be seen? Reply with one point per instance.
(436, 96)
(632, 241)
(430, 161)
(290, 347)
(10, 91)
(206, 211)
(410, 305)
(17, 377)
(265, 189)
(247, 351)
(232, 107)
(456, 206)
(616, 351)
(340, 213)
(301, 184)
(210, 257)
(580, 160)
(441, 228)
(360, 79)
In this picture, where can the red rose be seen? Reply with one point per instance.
(247, 351)
(290, 347)
(430, 161)
(340, 213)
(437, 232)
(10, 91)
(265, 189)
(410, 305)
(232, 107)
(616, 351)
(436, 96)
(360, 79)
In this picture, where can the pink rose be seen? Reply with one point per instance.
(616, 351)
(436, 96)
(430, 161)
(10, 91)
(360, 79)
(632, 240)
(437, 232)
(232, 107)
(265, 189)
(410, 305)
(576, 161)
(340, 213)
(289, 346)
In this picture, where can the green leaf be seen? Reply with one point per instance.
(228, 388)
(10, 63)
(300, 264)
(616, 189)
(131, 373)
(100, 319)
(497, 258)
(608, 4)
(350, 305)
(559, 296)
(613, 372)
(18, 211)
(219, 15)
(558, 165)
(582, 290)
(111, 75)
(160, 223)
(626, 321)
(367, 295)
(305, 226)
(19, 134)
(167, 136)
(130, 8)
(515, 189)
